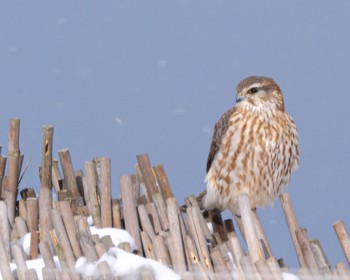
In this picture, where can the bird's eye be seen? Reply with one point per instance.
(253, 90)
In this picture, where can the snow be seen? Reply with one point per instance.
(289, 276)
(125, 266)
(117, 235)
(122, 264)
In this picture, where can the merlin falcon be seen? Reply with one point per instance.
(254, 148)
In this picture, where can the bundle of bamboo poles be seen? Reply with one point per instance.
(175, 236)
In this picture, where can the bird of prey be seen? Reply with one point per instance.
(254, 147)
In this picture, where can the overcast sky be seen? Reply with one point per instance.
(120, 78)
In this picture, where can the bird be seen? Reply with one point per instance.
(254, 148)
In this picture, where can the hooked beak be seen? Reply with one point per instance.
(240, 97)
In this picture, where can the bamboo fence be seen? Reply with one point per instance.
(177, 236)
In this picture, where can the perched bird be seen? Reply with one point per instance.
(254, 148)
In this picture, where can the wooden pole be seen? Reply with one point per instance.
(159, 202)
(129, 210)
(178, 256)
(116, 213)
(147, 175)
(92, 195)
(70, 227)
(3, 160)
(63, 238)
(56, 176)
(4, 262)
(46, 254)
(145, 221)
(105, 191)
(304, 241)
(46, 165)
(163, 181)
(5, 230)
(45, 192)
(343, 237)
(20, 261)
(250, 233)
(85, 239)
(13, 169)
(292, 225)
(68, 173)
(45, 206)
(32, 213)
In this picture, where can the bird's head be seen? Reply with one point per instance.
(259, 91)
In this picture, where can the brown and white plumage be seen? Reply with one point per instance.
(254, 147)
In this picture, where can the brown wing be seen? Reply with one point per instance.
(219, 130)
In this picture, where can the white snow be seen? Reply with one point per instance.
(122, 264)
(289, 276)
(24, 241)
(117, 235)
(125, 266)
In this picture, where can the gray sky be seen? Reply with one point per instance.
(120, 78)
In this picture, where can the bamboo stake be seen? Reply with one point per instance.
(31, 274)
(79, 175)
(3, 160)
(147, 245)
(116, 213)
(56, 176)
(147, 175)
(58, 250)
(5, 229)
(129, 210)
(320, 256)
(237, 253)
(20, 261)
(152, 212)
(100, 249)
(105, 271)
(32, 213)
(178, 256)
(47, 255)
(304, 241)
(4, 261)
(192, 202)
(263, 270)
(199, 238)
(105, 192)
(343, 237)
(21, 226)
(249, 227)
(107, 242)
(68, 173)
(13, 169)
(261, 235)
(249, 269)
(342, 270)
(160, 250)
(63, 238)
(34, 240)
(46, 165)
(45, 205)
(49, 273)
(292, 225)
(91, 187)
(219, 264)
(161, 210)
(163, 181)
(85, 239)
(145, 221)
(70, 227)
(274, 268)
